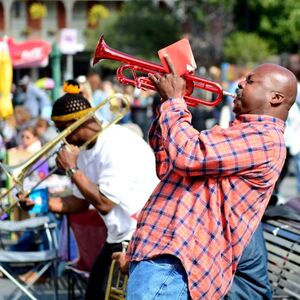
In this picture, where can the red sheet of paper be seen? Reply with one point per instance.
(181, 57)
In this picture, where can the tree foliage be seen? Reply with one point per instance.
(213, 27)
(276, 21)
(140, 29)
(246, 48)
(206, 22)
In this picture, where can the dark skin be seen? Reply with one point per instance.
(268, 90)
(66, 159)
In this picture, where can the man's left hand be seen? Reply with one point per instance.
(170, 85)
(121, 261)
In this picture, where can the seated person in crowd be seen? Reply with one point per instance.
(30, 140)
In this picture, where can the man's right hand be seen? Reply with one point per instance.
(25, 203)
(169, 85)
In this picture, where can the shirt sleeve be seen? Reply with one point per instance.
(162, 158)
(42, 96)
(219, 152)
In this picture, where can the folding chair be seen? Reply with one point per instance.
(90, 234)
(43, 258)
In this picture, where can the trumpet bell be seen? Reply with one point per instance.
(100, 51)
(103, 51)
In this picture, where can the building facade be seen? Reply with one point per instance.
(17, 21)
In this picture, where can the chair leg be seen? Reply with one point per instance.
(20, 286)
(73, 286)
(55, 279)
(39, 272)
(69, 286)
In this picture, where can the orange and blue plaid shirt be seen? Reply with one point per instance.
(214, 188)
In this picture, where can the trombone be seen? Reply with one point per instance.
(119, 106)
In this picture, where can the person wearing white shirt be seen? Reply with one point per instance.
(116, 174)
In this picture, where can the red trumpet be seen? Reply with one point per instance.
(143, 82)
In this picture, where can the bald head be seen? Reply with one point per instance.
(269, 89)
(280, 80)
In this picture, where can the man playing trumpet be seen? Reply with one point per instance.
(214, 188)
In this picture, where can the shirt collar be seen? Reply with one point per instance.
(259, 118)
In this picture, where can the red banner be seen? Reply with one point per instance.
(29, 54)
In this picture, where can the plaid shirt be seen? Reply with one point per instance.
(214, 188)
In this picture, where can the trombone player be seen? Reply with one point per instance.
(115, 174)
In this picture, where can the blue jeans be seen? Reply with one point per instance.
(161, 278)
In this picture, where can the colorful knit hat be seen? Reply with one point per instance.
(72, 105)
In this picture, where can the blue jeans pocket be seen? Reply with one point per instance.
(161, 278)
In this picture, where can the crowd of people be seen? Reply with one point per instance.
(186, 195)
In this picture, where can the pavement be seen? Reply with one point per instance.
(44, 291)
(288, 188)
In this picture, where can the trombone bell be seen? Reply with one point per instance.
(16, 173)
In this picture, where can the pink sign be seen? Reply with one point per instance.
(28, 54)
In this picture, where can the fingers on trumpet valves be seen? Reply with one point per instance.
(154, 77)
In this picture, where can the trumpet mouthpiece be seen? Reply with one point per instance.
(228, 94)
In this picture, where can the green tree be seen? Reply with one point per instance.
(276, 21)
(246, 48)
(140, 29)
(206, 23)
